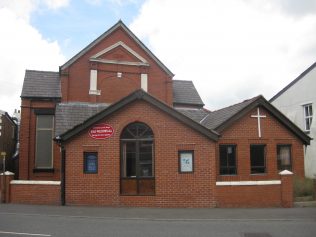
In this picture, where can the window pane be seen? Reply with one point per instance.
(307, 126)
(284, 157)
(186, 161)
(44, 149)
(227, 159)
(91, 162)
(257, 158)
(45, 121)
(131, 164)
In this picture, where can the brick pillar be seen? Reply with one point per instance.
(5, 186)
(286, 188)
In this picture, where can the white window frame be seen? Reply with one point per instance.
(94, 83)
(308, 118)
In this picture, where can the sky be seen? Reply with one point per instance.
(232, 50)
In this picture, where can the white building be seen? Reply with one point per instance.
(297, 101)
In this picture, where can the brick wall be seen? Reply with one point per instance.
(172, 188)
(249, 196)
(76, 78)
(243, 133)
(28, 143)
(35, 194)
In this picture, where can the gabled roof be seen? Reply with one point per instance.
(41, 84)
(293, 82)
(219, 117)
(68, 115)
(138, 95)
(222, 119)
(184, 93)
(107, 33)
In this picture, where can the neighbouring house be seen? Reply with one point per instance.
(112, 127)
(8, 140)
(297, 101)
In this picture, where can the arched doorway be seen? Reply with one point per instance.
(137, 160)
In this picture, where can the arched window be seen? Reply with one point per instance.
(137, 160)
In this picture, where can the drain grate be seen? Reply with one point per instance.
(257, 235)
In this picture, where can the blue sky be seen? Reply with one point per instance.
(76, 26)
(232, 50)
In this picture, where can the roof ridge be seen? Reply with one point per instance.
(182, 80)
(244, 101)
(33, 70)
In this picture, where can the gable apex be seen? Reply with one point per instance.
(241, 109)
(119, 24)
(96, 57)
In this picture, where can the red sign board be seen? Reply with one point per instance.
(101, 131)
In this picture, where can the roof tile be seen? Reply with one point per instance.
(41, 84)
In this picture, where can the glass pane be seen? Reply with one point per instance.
(306, 111)
(227, 159)
(45, 121)
(310, 110)
(257, 158)
(44, 149)
(146, 170)
(131, 164)
(137, 130)
(307, 125)
(284, 157)
(91, 163)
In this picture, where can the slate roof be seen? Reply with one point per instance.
(41, 84)
(293, 82)
(220, 120)
(195, 114)
(68, 115)
(184, 93)
(218, 117)
(62, 121)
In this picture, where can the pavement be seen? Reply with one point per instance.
(307, 213)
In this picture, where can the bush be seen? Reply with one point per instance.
(303, 187)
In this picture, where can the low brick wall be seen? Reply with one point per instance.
(249, 196)
(35, 192)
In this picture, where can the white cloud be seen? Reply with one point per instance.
(24, 8)
(54, 4)
(22, 47)
(232, 49)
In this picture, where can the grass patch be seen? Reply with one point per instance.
(303, 187)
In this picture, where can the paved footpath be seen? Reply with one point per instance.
(36, 220)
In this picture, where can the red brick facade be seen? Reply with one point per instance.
(173, 189)
(201, 188)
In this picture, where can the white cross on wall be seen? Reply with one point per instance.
(258, 116)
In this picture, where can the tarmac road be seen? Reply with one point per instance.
(34, 220)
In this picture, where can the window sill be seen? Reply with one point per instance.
(43, 170)
(94, 92)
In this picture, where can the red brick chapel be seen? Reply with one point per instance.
(113, 128)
